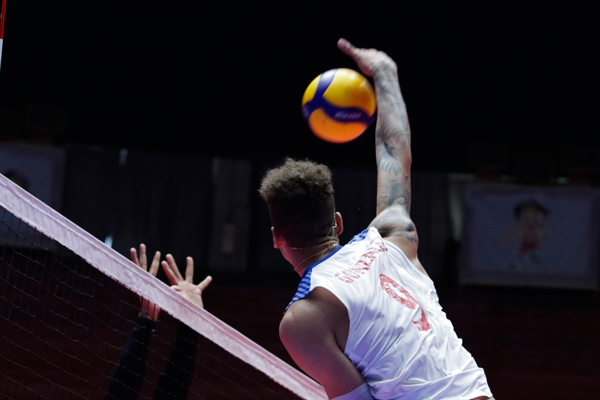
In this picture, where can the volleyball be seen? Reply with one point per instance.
(339, 105)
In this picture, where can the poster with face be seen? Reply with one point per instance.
(531, 235)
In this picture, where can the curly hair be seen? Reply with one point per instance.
(301, 201)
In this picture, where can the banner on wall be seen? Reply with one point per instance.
(531, 236)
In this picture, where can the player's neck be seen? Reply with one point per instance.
(304, 257)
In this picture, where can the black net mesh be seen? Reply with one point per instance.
(70, 332)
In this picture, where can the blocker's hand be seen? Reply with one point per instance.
(149, 309)
(186, 286)
(366, 59)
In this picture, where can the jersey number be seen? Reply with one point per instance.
(401, 295)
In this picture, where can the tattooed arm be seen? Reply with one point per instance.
(392, 140)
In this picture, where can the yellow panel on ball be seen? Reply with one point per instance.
(339, 105)
(351, 89)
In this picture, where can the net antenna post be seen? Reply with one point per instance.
(2, 15)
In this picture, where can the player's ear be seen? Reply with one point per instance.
(276, 238)
(338, 224)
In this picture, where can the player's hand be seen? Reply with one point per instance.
(185, 286)
(366, 59)
(149, 309)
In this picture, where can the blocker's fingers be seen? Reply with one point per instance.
(134, 256)
(155, 264)
(204, 284)
(169, 272)
(189, 270)
(174, 267)
(143, 259)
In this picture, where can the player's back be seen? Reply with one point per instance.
(399, 337)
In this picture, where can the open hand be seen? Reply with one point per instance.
(185, 286)
(149, 309)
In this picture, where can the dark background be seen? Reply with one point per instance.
(195, 79)
(220, 79)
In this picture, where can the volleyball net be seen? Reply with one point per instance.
(71, 329)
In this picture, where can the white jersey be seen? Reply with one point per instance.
(399, 339)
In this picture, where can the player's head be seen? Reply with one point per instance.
(301, 202)
(530, 211)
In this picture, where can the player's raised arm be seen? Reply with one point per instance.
(393, 151)
(311, 333)
(149, 309)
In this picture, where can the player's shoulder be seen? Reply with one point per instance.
(317, 313)
(313, 336)
(315, 325)
(302, 323)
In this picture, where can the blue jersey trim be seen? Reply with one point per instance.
(360, 236)
(304, 286)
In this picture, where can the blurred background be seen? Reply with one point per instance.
(153, 122)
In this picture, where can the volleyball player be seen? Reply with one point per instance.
(129, 372)
(366, 321)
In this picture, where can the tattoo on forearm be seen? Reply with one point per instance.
(387, 163)
(394, 128)
(392, 143)
(393, 191)
(393, 158)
